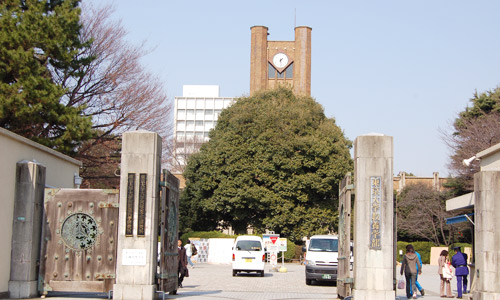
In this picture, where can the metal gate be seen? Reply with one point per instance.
(79, 235)
(169, 230)
(344, 280)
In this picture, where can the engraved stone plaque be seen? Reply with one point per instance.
(141, 229)
(129, 221)
(375, 208)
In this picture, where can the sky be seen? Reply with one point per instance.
(403, 68)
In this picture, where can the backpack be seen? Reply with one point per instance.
(193, 249)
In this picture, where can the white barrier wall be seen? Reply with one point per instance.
(220, 251)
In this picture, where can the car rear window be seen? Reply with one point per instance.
(328, 245)
(249, 246)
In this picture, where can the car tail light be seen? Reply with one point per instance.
(263, 258)
(233, 257)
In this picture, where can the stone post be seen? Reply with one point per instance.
(26, 229)
(487, 235)
(373, 223)
(138, 222)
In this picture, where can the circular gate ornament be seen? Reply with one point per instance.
(79, 231)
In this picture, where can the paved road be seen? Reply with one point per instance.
(211, 281)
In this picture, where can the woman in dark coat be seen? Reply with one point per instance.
(182, 271)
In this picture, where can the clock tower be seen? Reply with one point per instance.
(275, 63)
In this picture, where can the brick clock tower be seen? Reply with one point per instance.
(274, 63)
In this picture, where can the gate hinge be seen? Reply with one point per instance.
(349, 187)
(108, 205)
(100, 276)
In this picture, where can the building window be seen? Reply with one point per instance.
(272, 71)
(289, 71)
(181, 114)
(199, 114)
(190, 125)
(217, 113)
(199, 125)
(181, 125)
(286, 74)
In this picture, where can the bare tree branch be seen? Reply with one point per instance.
(116, 91)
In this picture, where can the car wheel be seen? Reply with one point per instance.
(308, 281)
(234, 273)
(262, 273)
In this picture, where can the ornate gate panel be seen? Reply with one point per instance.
(78, 252)
(344, 281)
(169, 231)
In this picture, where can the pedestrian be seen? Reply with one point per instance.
(409, 266)
(419, 287)
(182, 270)
(459, 262)
(189, 252)
(465, 277)
(445, 275)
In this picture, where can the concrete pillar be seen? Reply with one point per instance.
(138, 222)
(26, 229)
(373, 223)
(487, 235)
(302, 63)
(258, 59)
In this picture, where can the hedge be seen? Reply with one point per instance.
(424, 249)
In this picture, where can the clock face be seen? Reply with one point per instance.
(280, 60)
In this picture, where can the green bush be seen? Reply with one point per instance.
(424, 249)
(206, 235)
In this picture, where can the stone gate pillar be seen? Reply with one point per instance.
(138, 222)
(373, 218)
(26, 230)
(487, 235)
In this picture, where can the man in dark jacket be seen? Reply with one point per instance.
(459, 262)
(182, 271)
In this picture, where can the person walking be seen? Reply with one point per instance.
(189, 253)
(182, 270)
(419, 287)
(445, 275)
(465, 277)
(459, 262)
(409, 266)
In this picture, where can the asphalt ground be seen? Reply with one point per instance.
(215, 281)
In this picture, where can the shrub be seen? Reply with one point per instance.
(424, 249)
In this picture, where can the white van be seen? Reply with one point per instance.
(249, 255)
(321, 258)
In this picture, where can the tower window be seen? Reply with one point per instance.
(289, 71)
(286, 74)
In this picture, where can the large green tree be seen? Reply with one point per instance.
(273, 162)
(38, 37)
(475, 129)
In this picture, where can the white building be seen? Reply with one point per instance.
(196, 112)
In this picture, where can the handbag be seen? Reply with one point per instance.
(447, 272)
(401, 284)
